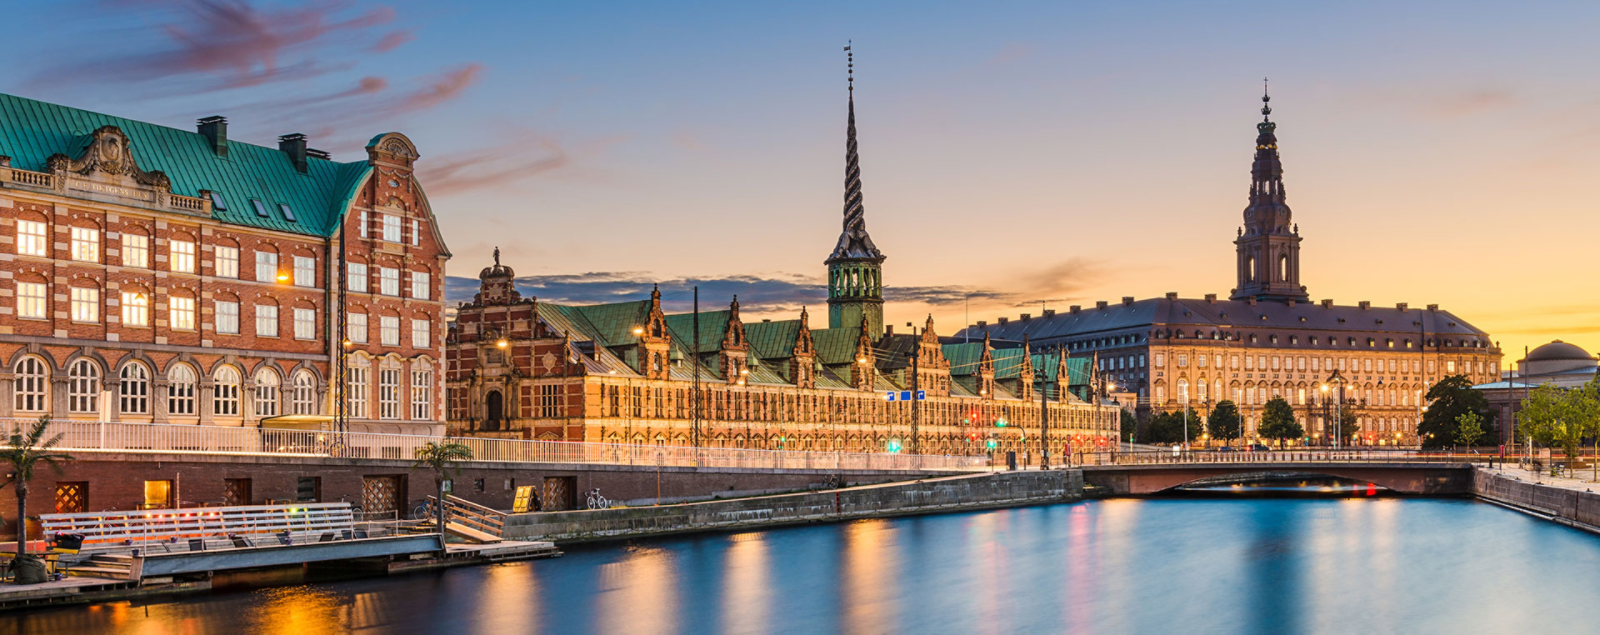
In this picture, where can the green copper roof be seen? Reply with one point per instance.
(713, 325)
(31, 131)
(836, 346)
(1008, 363)
(773, 340)
(964, 358)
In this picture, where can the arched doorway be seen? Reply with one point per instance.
(494, 410)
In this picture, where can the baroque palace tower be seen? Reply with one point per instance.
(855, 269)
(1268, 244)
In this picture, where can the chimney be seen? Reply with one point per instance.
(319, 154)
(1027, 316)
(1291, 303)
(294, 145)
(1049, 312)
(1172, 295)
(1127, 300)
(1327, 303)
(1075, 308)
(888, 329)
(1101, 304)
(1364, 305)
(1433, 307)
(1211, 298)
(215, 129)
(982, 323)
(1003, 320)
(1402, 306)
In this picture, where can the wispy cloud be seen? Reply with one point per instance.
(526, 155)
(1472, 102)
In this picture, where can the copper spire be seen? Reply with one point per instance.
(854, 243)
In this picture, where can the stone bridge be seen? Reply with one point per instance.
(1434, 479)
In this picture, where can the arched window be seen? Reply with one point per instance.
(1283, 268)
(267, 390)
(30, 385)
(1250, 269)
(83, 387)
(304, 399)
(493, 410)
(135, 389)
(180, 390)
(225, 392)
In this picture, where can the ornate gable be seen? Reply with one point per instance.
(863, 373)
(802, 365)
(655, 341)
(986, 369)
(735, 348)
(109, 152)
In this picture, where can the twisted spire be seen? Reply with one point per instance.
(854, 243)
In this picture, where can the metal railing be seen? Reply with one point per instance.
(105, 436)
(1166, 457)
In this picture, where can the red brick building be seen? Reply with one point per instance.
(149, 274)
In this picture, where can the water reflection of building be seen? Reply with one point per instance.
(1268, 339)
(628, 372)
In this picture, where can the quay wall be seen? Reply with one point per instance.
(1566, 506)
(930, 495)
(117, 481)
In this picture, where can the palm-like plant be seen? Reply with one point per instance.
(22, 455)
(441, 457)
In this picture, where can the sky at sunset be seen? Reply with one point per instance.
(1014, 155)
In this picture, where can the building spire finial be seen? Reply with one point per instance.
(1266, 108)
(496, 255)
(854, 243)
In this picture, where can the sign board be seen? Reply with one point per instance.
(524, 497)
(904, 395)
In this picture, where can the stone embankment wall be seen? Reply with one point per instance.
(955, 493)
(1566, 506)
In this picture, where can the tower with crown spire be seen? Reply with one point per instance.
(1269, 243)
(855, 269)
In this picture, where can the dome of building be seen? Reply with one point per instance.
(1556, 357)
(1558, 350)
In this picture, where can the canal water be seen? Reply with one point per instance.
(1181, 565)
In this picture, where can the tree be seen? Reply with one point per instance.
(24, 453)
(1277, 421)
(1564, 418)
(1349, 425)
(441, 457)
(1469, 428)
(1167, 427)
(1223, 424)
(1130, 426)
(1452, 397)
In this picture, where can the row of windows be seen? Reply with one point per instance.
(33, 303)
(31, 392)
(1317, 364)
(1301, 396)
(390, 228)
(33, 240)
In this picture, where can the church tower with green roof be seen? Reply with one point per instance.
(855, 269)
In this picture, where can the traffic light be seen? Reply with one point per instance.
(894, 446)
(1000, 423)
(991, 444)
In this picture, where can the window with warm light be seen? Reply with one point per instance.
(388, 393)
(135, 250)
(356, 389)
(422, 394)
(31, 238)
(85, 245)
(305, 271)
(225, 392)
(180, 313)
(225, 261)
(85, 304)
(181, 382)
(180, 254)
(31, 300)
(266, 320)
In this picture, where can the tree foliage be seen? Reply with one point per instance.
(1452, 397)
(24, 453)
(1277, 421)
(1167, 427)
(1561, 418)
(1130, 426)
(1469, 428)
(1349, 425)
(441, 457)
(1223, 424)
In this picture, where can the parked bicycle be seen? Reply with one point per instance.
(596, 501)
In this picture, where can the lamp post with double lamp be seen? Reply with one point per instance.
(1338, 402)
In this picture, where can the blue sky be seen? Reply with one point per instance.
(1055, 152)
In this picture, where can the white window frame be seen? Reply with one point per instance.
(33, 300)
(85, 304)
(389, 330)
(305, 323)
(420, 329)
(356, 278)
(227, 317)
(356, 328)
(133, 389)
(85, 243)
(391, 228)
(421, 285)
(225, 392)
(31, 385)
(135, 250)
(422, 395)
(389, 281)
(33, 238)
(266, 320)
(268, 389)
(357, 391)
(416, 232)
(389, 393)
(266, 266)
(303, 401)
(83, 387)
(181, 387)
(305, 271)
(225, 261)
(180, 313)
(180, 256)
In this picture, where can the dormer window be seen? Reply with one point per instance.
(218, 203)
